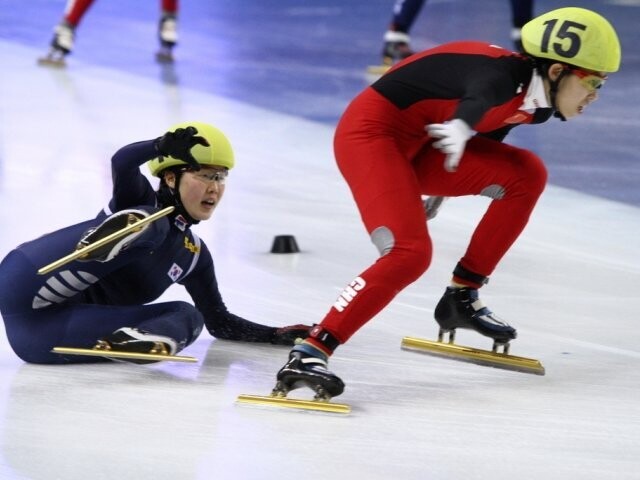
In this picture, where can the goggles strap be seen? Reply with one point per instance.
(553, 92)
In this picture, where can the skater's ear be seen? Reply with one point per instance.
(555, 70)
(170, 178)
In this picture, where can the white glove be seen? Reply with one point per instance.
(453, 137)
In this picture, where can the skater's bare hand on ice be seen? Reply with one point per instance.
(178, 145)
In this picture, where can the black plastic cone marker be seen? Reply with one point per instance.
(285, 244)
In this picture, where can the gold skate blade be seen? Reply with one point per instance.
(104, 241)
(473, 355)
(378, 69)
(273, 401)
(126, 355)
(51, 62)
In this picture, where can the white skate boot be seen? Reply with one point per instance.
(61, 46)
(168, 36)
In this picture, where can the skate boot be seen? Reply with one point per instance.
(303, 370)
(112, 224)
(137, 341)
(462, 308)
(61, 46)
(168, 36)
(396, 47)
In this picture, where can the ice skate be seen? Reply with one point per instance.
(61, 46)
(303, 370)
(102, 239)
(396, 48)
(132, 345)
(168, 36)
(112, 224)
(462, 308)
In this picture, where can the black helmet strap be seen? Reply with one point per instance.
(170, 197)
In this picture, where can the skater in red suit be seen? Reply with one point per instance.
(434, 125)
(64, 33)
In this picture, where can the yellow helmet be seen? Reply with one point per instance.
(218, 153)
(575, 36)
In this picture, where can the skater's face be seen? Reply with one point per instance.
(201, 191)
(577, 89)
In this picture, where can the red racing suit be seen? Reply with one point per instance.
(386, 157)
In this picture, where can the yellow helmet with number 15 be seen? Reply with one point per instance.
(575, 36)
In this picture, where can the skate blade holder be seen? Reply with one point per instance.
(451, 336)
(154, 357)
(54, 58)
(285, 402)
(473, 355)
(133, 227)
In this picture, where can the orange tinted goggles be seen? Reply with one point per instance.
(589, 80)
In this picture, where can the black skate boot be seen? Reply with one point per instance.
(396, 47)
(61, 46)
(168, 36)
(111, 224)
(462, 308)
(303, 370)
(137, 341)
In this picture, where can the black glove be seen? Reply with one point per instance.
(178, 145)
(289, 335)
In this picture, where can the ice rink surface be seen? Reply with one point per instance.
(569, 284)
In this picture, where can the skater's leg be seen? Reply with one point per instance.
(396, 39)
(32, 335)
(169, 7)
(167, 30)
(521, 13)
(63, 39)
(514, 178)
(75, 11)
(404, 14)
(387, 194)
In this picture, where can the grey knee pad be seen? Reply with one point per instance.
(383, 239)
(493, 191)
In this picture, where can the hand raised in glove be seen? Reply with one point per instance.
(178, 145)
(289, 335)
(453, 137)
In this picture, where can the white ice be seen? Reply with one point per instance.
(569, 285)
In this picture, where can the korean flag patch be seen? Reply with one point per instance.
(174, 272)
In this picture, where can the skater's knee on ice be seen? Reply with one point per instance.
(37, 351)
(191, 315)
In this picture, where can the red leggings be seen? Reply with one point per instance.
(387, 173)
(77, 8)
